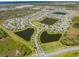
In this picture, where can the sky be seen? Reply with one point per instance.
(39, 0)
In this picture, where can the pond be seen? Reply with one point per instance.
(26, 34)
(49, 21)
(45, 37)
(76, 25)
(61, 13)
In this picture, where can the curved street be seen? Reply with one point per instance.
(62, 51)
(39, 51)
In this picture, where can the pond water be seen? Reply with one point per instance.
(45, 37)
(49, 21)
(3, 9)
(76, 25)
(26, 34)
(61, 13)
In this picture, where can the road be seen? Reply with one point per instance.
(40, 52)
(62, 51)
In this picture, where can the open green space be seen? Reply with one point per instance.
(1, 21)
(69, 54)
(2, 34)
(51, 47)
(71, 36)
(9, 47)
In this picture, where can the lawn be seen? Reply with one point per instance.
(1, 21)
(69, 54)
(8, 45)
(13, 42)
(51, 47)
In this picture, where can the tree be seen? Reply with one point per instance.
(2, 34)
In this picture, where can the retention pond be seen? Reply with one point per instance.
(45, 37)
(61, 13)
(26, 34)
(49, 21)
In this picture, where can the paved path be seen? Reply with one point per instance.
(62, 51)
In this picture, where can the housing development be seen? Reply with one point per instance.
(39, 29)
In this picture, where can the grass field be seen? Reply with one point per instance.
(16, 39)
(71, 36)
(69, 54)
(1, 21)
(51, 47)
(8, 47)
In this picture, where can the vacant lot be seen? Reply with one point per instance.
(9, 47)
(71, 37)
